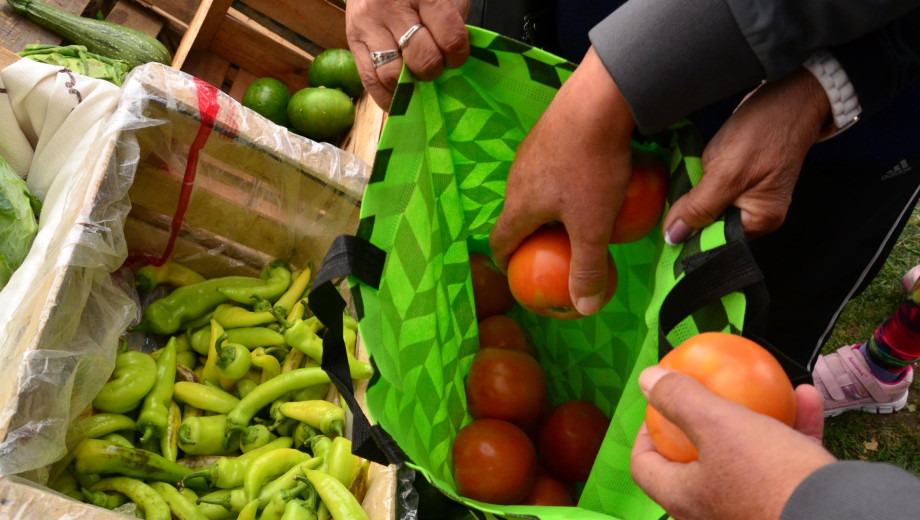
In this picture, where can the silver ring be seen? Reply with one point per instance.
(379, 58)
(404, 39)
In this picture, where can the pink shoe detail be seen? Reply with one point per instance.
(847, 383)
(909, 281)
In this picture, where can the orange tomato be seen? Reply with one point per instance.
(502, 332)
(644, 203)
(491, 294)
(494, 461)
(538, 273)
(732, 367)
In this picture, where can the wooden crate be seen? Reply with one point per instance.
(228, 44)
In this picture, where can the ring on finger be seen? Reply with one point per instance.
(379, 58)
(404, 39)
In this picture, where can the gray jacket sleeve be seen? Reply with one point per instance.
(855, 490)
(672, 57)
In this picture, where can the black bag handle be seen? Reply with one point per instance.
(710, 275)
(350, 255)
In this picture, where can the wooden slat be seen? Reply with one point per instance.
(364, 134)
(179, 10)
(132, 15)
(316, 20)
(16, 32)
(207, 67)
(188, 39)
(240, 83)
(250, 46)
(215, 16)
(6, 58)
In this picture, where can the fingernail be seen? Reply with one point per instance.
(588, 305)
(649, 377)
(677, 233)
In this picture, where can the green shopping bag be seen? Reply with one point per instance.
(436, 189)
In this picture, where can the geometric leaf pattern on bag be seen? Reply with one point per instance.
(436, 189)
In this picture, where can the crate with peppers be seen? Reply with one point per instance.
(229, 418)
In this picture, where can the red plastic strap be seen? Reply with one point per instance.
(208, 107)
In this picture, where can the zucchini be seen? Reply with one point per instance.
(99, 37)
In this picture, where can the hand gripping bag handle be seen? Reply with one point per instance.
(710, 275)
(350, 255)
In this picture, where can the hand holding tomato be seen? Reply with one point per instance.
(732, 367)
(749, 464)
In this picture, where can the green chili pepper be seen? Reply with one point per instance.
(197, 323)
(232, 500)
(232, 316)
(285, 481)
(271, 390)
(279, 279)
(255, 436)
(314, 392)
(275, 508)
(97, 456)
(296, 510)
(233, 361)
(179, 504)
(209, 372)
(66, 484)
(303, 433)
(249, 337)
(167, 314)
(103, 499)
(101, 424)
(302, 336)
(340, 502)
(340, 462)
(294, 359)
(177, 275)
(188, 359)
(114, 438)
(249, 511)
(153, 418)
(205, 436)
(204, 397)
(155, 508)
(169, 441)
(228, 472)
(293, 294)
(268, 363)
(296, 313)
(244, 386)
(328, 417)
(270, 464)
(320, 445)
(134, 376)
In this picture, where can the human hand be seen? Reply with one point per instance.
(573, 167)
(749, 464)
(377, 25)
(754, 160)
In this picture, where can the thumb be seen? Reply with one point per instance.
(698, 208)
(809, 417)
(589, 277)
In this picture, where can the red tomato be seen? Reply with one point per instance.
(505, 384)
(491, 294)
(732, 367)
(502, 332)
(538, 273)
(570, 437)
(494, 462)
(644, 203)
(547, 491)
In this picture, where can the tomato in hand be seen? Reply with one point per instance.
(494, 462)
(538, 273)
(732, 367)
(643, 206)
(491, 293)
(504, 333)
(548, 491)
(507, 385)
(570, 437)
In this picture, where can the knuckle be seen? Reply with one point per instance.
(701, 210)
(454, 39)
(426, 63)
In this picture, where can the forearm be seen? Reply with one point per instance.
(672, 58)
(853, 489)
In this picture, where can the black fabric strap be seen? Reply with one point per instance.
(350, 255)
(710, 275)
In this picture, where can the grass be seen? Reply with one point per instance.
(892, 438)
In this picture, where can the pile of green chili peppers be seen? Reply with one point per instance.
(229, 418)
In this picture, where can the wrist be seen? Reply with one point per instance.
(843, 102)
(598, 99)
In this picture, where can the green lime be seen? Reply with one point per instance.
(335, 68)
(321, 113)
(269, 98)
